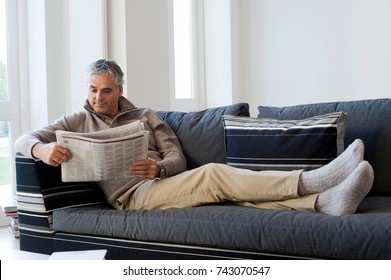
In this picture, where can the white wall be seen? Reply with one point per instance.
(57, 58)
(147, 47)
(87, 43)
(307, 51)
(116, 34)
(218, 53)
(270, 52)
(37, 76)
(62, 37)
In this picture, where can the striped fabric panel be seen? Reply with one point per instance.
(36, 241)
(270, 144)
(40, 191)
(125, 249)
(35, 222)
(32, 213)
(39, 183)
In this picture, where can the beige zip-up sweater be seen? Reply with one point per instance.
(163, 145)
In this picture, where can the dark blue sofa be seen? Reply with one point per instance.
(57, 216)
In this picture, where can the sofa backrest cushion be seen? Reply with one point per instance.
(201, 133)
(368, 120)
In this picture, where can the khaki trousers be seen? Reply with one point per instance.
(214, 183)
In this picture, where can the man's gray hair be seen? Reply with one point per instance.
(106, 67)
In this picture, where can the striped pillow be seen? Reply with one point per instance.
(271, 144)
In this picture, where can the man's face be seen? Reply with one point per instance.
(103, 95)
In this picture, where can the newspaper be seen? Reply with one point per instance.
(103, 155)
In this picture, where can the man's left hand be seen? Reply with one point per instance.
(145, 169)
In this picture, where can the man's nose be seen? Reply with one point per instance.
(99, 95)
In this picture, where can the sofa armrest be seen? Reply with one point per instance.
(40, 191)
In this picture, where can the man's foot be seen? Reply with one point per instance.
(333, 173)
(344, 198)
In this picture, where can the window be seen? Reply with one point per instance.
(5, 164)
(187, 70)
(3, 54)
(182, 48)
(9, 97)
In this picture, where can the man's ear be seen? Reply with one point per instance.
(121, 90)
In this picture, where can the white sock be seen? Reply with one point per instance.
(333, 173)
(344, 198)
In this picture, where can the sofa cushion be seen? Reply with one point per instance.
(364, 235)
(368, 120)
(272, 144)
(201, 133)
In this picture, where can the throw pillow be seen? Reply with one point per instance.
(272, 144)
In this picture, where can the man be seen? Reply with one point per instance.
(160, 181)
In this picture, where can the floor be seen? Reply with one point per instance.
(7, 240)
(9, 245)
(9, 248)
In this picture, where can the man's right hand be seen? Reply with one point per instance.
(52, 153)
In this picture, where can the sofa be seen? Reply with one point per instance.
(58, 216)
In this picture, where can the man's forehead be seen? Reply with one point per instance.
(102, 77)
(92, 85)
(101, 81)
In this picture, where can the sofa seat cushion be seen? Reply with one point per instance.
(364, 235)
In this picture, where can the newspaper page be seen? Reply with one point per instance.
(103, 155)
